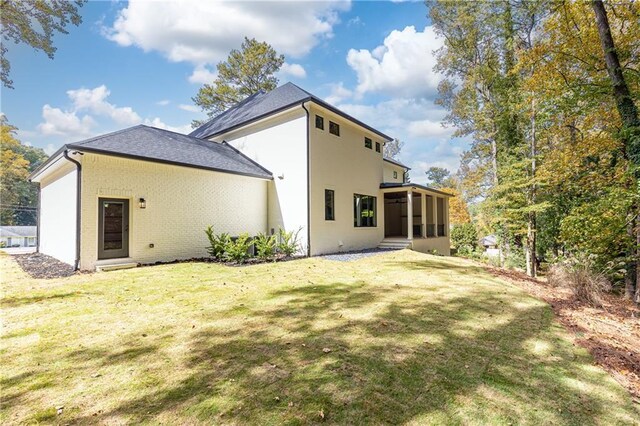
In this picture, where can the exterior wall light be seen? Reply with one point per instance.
(142, 203)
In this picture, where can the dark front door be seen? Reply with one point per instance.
(113, 225)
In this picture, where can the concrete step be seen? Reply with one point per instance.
(394, 244)
(115, 266)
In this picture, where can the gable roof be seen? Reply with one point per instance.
(163, 146)
(261, 105)
(18, 231)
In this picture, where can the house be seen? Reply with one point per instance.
(18, 236)
(490, 244)
(283, 159)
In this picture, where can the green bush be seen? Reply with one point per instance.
(288, 244)
(238, 250)
(265, 246)
(465, 238)
(217, 243)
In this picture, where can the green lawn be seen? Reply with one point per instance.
(401, 337)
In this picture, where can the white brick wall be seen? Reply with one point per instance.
(181, 202)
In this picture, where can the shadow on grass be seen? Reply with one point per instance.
(362, 354)
(12, 302)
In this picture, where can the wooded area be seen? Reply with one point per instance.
(547, 92)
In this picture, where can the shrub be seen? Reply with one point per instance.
(238, 250)
(579, 274)
(288, 244)
(265, 246)
(465, 238)
(217, 243)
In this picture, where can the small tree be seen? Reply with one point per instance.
(245, 72)
(464, 237)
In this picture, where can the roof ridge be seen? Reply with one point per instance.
(95, 138)
(228, 110)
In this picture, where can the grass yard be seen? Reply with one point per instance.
(402, 337)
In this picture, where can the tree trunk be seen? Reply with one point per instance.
(630, 131)
(531, 225)
(637, 296)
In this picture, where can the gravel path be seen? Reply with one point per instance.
(355, 255)
(39, 265)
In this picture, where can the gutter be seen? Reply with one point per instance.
(76, 265)
(308, 185)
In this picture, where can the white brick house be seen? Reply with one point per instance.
(281, 159)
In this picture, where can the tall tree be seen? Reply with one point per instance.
(438, 177)
(19, 196)
(245, 72)
(630, 136)
(34, 22)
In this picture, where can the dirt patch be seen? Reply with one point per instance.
(39, 265)
(611, 333)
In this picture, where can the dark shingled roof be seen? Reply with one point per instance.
(157, 145)
(396, 162)
(262, 105)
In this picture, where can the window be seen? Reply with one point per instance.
(334, 128)
(395, 175)
(377, 146)
(329, 205)
(364, 211)
(319, 122)
(367, 143)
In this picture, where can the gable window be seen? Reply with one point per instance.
(395, 175)
(364, 211)
(368, 143)
(377, 146)
(329, 205)
(334, 128)
(319, 122)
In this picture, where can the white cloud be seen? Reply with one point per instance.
(163, 102)
(94, 100)
(190, 108)
(157, 122)
(203, 32)
(64, 123)
(294, 70)
(401, 66)
(202, 75)
(428, 128)
(79, 121)
(338, 94)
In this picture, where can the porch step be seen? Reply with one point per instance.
(394, 243)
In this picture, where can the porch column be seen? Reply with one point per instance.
(409, 215)
(434, 207)
(423, 212)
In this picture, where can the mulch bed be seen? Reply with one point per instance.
(248, 262)
(611, 333)
(39, 265)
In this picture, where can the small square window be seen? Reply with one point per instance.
(377, 146)
(334, 128)
(368, 143)
(319, 122)
(395, 175)
(329, 205)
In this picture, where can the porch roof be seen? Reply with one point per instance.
(407, 185)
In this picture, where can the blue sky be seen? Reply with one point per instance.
(141, 62)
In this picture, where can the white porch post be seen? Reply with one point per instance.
(409, 215)
(446, 215)
(423, 211)
(435, 216)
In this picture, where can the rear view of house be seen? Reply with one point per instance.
(283, 159)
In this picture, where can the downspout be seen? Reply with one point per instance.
(308, 187)
(76, 266)
(38, 219)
